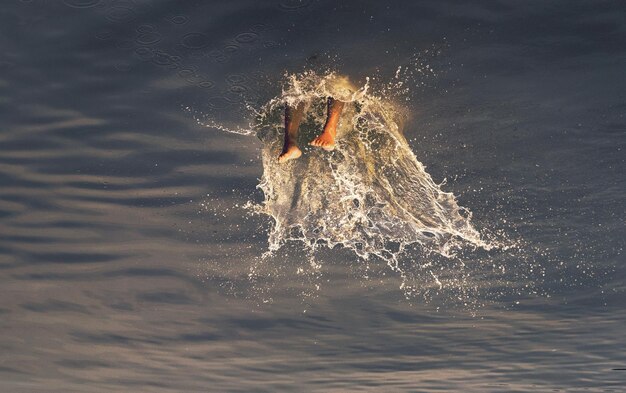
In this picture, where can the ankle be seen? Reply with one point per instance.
(329, 130)
(288, 146)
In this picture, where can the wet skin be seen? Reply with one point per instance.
(293, 118)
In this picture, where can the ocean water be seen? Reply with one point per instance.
(468, 230)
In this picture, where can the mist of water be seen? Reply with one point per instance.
(370, 195)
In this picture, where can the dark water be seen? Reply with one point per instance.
(124, 253)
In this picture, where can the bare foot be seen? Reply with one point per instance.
(326, 141)
(289, 153)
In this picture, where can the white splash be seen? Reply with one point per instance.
(367, 194)
(370, 195)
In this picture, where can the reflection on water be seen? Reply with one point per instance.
(125, 250)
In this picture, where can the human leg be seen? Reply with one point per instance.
(326, 140)
(293, 118)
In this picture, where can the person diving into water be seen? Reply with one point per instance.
(293, 118)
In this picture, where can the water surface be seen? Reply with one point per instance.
(125, 247)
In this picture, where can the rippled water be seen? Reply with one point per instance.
(127, 241)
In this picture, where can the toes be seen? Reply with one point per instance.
(323, 143)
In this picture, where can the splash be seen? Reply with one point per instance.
(370, 195)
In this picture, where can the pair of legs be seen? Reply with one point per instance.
(293, 118)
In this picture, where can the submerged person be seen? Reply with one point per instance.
(293, 118)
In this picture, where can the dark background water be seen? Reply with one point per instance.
(124, 255)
